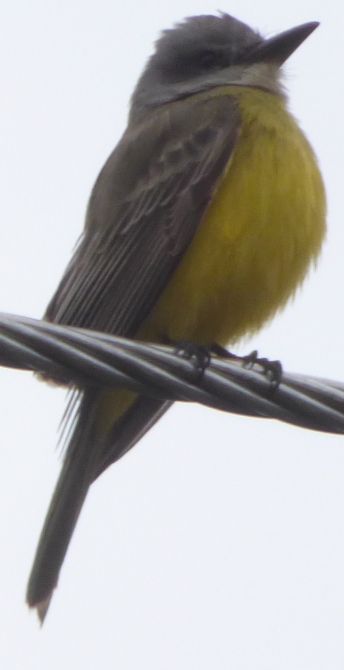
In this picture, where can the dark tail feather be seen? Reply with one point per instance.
(64, 510)
(128, 430)
(85, 460)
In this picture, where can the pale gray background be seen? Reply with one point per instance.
(217, 543)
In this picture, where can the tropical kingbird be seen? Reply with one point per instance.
(201, 225)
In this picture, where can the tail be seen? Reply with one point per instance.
(86, 458)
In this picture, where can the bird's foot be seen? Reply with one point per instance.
(272, 369)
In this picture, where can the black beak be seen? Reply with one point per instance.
(277, 49)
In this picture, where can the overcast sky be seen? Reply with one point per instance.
(217, 543)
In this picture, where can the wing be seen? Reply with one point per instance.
(143, 212)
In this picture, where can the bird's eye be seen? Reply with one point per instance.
(208, 58)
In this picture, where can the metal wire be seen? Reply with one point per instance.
(82, 357)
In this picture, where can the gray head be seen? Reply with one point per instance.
(203, 52)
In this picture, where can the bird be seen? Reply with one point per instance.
(201, 225)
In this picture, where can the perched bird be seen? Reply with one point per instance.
(201, 225)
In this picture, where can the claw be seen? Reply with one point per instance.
(272, 369)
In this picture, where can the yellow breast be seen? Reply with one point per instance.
(261, 232)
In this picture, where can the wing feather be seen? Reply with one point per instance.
(143, 212)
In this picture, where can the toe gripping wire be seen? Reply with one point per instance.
(81, 358)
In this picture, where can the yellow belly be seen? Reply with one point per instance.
(258, 238)
(261, 232)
